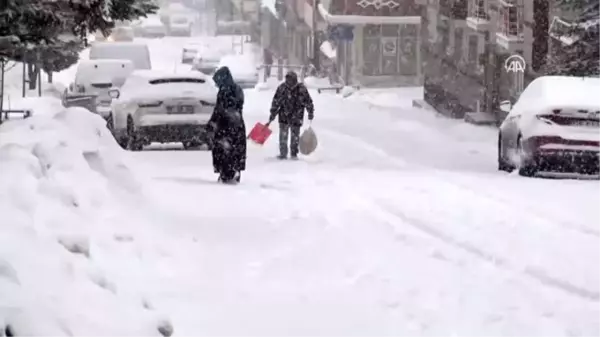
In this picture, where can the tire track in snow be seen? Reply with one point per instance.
(527, 208)
(358, 142)
(382, 207)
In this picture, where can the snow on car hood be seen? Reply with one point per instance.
(203, 91)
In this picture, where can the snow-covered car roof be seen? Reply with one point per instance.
(118, 43)
(213, 54)
(240, 65)
(194, 45)
(152, 21)
(559, 92)
(103, 69)
(156, 84)
(104, 61)
(160, 74)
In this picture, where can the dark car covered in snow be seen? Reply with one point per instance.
(553, 127)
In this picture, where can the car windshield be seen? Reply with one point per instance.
(179, 20)
(177, 80)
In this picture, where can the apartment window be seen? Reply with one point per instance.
(511, 18)
(473, 50)
(390, 50)
(479, 9)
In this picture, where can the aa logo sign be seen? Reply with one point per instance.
(515, 64)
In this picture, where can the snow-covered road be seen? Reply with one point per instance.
(399, 224)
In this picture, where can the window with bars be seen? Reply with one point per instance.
(511, 19)
(479, 9)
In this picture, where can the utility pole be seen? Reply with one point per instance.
(315, 44)
(2, 67)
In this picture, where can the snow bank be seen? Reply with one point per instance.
(59, 173)
(316, 83)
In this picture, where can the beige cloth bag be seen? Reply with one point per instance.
(308, 141)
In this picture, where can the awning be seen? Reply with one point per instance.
(364, 19)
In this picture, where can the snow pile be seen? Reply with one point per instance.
(390, 97)
(312, 82)
(60, 172)
(347, 91)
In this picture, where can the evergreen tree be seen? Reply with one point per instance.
(582, 57)
(51, 33)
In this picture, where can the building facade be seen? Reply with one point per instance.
(238, 17)
(380, 45)
(385, 48)
(468, 42)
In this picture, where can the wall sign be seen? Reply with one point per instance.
(379, 4)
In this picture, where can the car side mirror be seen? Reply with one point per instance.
(114, 93)
(505, 106)
(71, 87)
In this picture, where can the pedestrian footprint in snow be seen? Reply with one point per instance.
(289, 102)
(227, 125)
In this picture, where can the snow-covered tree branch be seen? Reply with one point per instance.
(53, 32)
(582, 56)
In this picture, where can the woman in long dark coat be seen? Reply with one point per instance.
(227, 123)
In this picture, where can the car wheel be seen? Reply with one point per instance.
(110, 125)
(528, 167)
(503, 164)
(133, 141)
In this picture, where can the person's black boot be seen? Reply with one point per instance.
(281, 157)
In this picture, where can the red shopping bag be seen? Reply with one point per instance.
(260, 133)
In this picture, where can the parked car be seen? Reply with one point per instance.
(553, 127)
(121, 34)
(207, 61)
(180, 25)
(243, 69)
(189, 53)
(136, 52)
(162, 107)
(97, 77)
(152, 27)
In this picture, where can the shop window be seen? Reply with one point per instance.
(390, 50)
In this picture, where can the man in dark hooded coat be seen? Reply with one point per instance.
(227, 124)
(289, 102)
